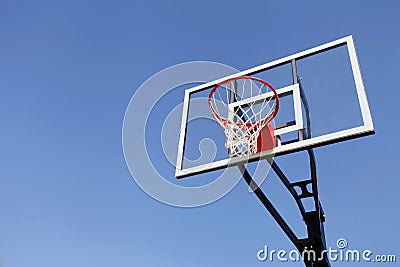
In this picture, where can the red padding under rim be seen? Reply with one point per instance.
(266, 139)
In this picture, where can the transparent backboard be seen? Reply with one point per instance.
(322, 101)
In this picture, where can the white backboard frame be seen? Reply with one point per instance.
(366, 128)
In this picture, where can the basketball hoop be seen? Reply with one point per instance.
(244, 106)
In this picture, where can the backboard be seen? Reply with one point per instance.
(322, 101)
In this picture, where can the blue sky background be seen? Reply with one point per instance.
(67, 72)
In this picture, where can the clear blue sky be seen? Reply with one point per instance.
(67, 72)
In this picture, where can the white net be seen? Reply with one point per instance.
(243, 107)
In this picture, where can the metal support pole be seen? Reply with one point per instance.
(268, 205)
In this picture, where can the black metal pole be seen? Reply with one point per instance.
(267, 204)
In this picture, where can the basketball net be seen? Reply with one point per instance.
(239, 105)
